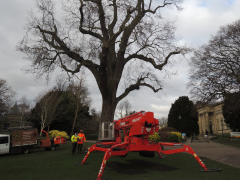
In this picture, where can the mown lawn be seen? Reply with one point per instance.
(226, 140)
(54, 165)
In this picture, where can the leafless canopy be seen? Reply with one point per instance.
(123, 109)
(7, 96)
(163, 121)
(46, 108)
(215, 67)
(107, 37)
(80, 92)
(24, 108)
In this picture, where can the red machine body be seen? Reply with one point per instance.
(136, 128)
(51, 143)
(139, 124)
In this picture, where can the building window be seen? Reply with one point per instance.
(6, 125)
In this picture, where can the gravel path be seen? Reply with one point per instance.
(216, 151)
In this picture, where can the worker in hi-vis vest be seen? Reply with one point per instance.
(80, 141)
(75, 138)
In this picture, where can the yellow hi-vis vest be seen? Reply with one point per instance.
(74, 138)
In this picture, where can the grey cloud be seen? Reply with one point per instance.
(196, 23)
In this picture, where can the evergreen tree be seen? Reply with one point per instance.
(231, 111)
(183, 116)
(65, 119)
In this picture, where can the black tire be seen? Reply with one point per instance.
(47, 148)
(25, 150)
(53, 148)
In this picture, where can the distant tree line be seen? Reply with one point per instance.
(65, 107)
(7, 96)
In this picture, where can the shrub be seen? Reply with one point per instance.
(154, 138)
(179, 135)
(172, 137)
(164, 133)
(167, 129)
(55, 133)
(163, 136)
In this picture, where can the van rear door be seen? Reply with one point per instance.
(4, 143)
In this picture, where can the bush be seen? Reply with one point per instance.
(154, 138)
(167, 129)
(55, 133)
(91, 136)
(172, 138)
(164, 133)
(179, 135)
(163, 136)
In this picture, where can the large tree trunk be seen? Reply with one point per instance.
(107, 115)
(108, 109)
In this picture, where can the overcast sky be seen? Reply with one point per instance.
(196, 23)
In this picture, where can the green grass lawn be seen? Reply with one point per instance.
(226, 140)
(233, 144)
(55, 165)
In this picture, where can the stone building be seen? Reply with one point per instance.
(210, 118)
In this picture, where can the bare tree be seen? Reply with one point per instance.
(46, 108)
(81, 94)
(163, 121)
(215, 67)
(24, 108)
(111, 38)
(78, 89)
(62, 83)
(123, 109)
(7, 96)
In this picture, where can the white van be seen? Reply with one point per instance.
(4, 143)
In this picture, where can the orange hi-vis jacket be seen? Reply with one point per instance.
(82, 136)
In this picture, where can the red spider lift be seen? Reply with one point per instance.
(136, 128)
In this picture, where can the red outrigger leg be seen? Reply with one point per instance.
(159, 151)
(110, 153)
(95, 148)
(106, 157)
(187, 149)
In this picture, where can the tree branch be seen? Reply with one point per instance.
(154, 11)
(114, 21)
(66, 51)
(96, 35)
(102, 20)
(150, 60)
(136, 86)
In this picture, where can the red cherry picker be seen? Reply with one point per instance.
(136, 128)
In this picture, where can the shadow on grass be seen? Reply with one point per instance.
(137, 166)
